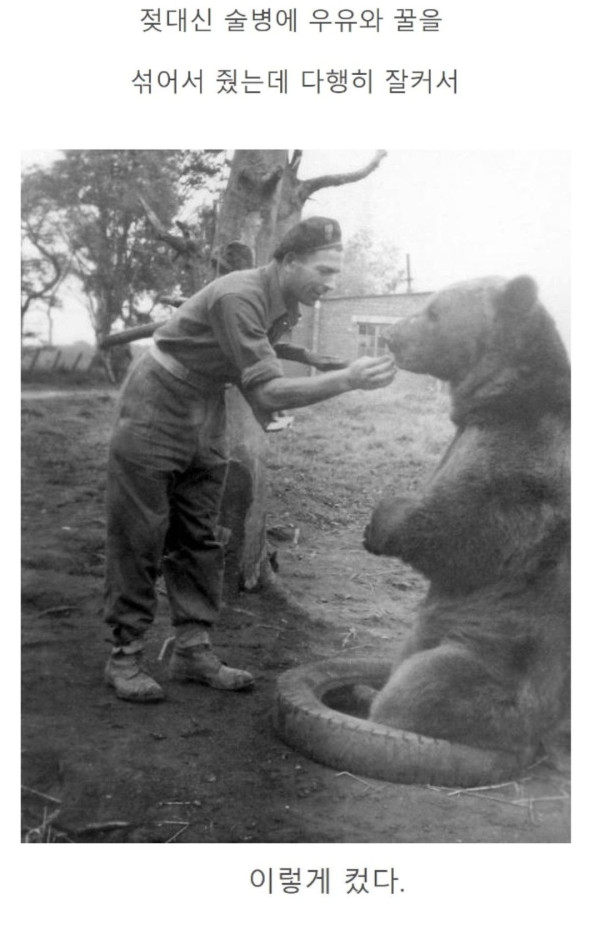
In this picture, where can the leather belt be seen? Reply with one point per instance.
(181, 372)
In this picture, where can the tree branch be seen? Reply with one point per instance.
(310, 186)
(58, 269)
(295, 160)
(178, 243)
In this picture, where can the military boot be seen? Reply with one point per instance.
(125, 673)
(194, 660)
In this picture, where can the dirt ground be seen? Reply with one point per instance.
(206, 766)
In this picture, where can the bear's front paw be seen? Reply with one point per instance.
(379, 531)
(382, 534)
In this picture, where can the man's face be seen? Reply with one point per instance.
(308, 278)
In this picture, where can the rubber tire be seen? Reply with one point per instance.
(365, 748)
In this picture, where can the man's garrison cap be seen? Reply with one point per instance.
(310, 235)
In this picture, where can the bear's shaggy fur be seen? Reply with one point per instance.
(487, 663)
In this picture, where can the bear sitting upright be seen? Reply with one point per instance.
(487, 663)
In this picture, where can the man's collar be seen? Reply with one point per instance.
(277, 304)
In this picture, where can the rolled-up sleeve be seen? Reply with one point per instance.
(241, 331)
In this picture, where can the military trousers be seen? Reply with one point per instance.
(166, 473)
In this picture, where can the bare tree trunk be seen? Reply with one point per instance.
(263, 199)
(249, 213)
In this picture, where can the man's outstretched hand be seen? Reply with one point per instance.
(371, 373)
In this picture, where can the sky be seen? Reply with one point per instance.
(458, 214)
(461, 214)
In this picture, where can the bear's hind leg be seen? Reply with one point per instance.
(445, 692)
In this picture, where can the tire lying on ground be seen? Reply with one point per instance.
(307, 717)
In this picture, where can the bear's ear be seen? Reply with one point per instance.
(519, 295)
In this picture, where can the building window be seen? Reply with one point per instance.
(371, 339)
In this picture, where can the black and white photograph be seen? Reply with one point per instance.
(295, 498)
(307, 560)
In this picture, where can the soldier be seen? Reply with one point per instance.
(168, 459)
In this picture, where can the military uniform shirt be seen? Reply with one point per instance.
(227, 330)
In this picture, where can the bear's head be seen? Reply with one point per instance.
(493, 341)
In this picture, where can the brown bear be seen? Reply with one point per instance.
(487, 663)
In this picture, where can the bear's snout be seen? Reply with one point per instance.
(393, 339)
(404, 341)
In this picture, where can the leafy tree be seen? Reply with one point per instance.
(42, 265)
(96, 215)
(370, 266)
